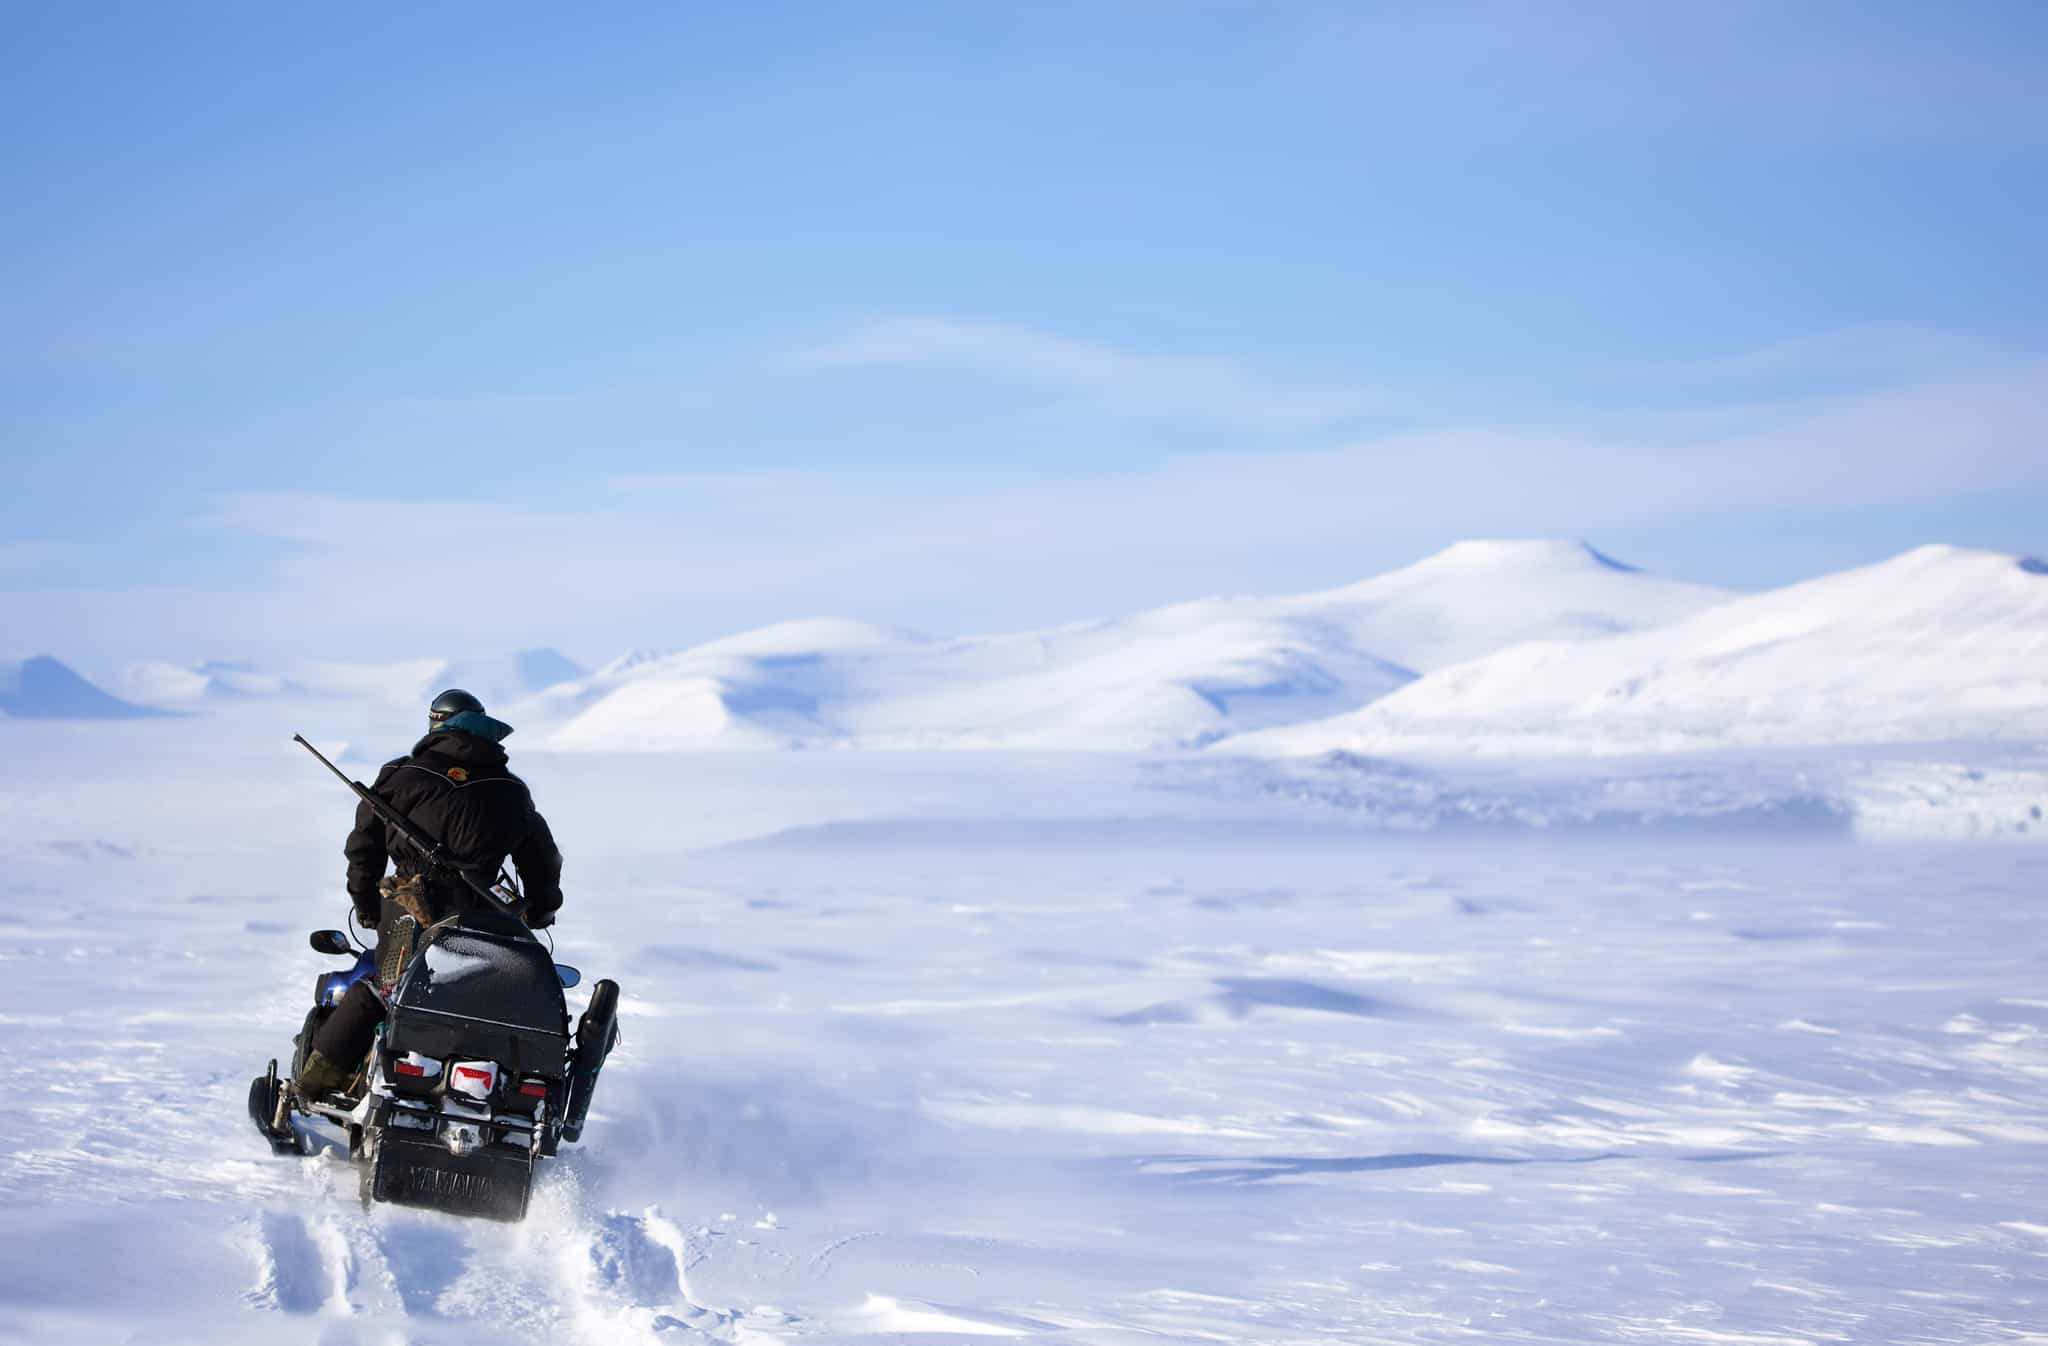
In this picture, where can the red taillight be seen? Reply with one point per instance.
(414, 1065)
(534, 1089)
(476, 1079)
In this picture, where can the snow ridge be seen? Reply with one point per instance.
(1937, 644)
(1180, 676)
(404, 683)
(1487, 648)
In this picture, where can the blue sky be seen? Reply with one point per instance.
(400, 327)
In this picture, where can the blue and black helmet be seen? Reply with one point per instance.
(451, 702)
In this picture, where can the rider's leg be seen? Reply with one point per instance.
(342, 1040)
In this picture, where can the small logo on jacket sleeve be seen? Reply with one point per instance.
(457, 773)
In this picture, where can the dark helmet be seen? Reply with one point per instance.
(451, 702)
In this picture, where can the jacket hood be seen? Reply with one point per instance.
(461, 747)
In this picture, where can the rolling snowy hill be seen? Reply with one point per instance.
(1176, 676)
(160, 683)
(44, 689)
(402, 683)
(1939, 643)
(1526, 648)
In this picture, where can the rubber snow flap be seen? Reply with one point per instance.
(493, 1182)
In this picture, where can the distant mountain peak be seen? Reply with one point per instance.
(1602, 558)
(43, 688)
(1522, 553)
(543, 668)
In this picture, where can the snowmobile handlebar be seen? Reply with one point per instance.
(431, 852)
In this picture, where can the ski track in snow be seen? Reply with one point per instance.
(1107, 1084)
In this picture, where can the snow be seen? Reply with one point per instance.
(1381, 975)
(1078, 1047)
(400, 683)
(448, 964)
(160, 683)
(1182, 675)
(1527, 649)
(1942, 643)
(41, 688)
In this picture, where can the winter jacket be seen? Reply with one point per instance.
(455, 788)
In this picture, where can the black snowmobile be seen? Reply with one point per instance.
(475, 1074)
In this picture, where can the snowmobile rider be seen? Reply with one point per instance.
(454, 786)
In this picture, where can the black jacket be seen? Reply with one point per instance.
(455, 788)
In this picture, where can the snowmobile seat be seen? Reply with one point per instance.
(480, 985)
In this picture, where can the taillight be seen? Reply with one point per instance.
(474, 1078)
(534, 1088)
(415, 1066)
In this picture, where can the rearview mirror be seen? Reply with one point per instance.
(330, 941)
(569, 975)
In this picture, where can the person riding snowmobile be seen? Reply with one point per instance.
(455, 787)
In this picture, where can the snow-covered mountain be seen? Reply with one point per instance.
(160, 683)
(44, 689)
(1177, 676)
(401, 683)
(1939, 643)
(1524, 647)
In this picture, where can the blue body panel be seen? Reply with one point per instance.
(334, 985)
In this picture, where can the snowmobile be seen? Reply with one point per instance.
(475, 1074)
(474, 1077)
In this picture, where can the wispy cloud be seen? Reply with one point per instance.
(666, 556)
(1200, 389)
(1873, 351)
(710, 485)
(691, 554)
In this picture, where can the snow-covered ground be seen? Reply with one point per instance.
(1085, 1048)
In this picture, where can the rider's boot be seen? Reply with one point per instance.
(318, 1076)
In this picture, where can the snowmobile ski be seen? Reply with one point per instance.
(270, 1109)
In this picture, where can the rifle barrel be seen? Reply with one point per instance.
(430, 851)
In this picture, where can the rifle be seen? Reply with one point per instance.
(431, 852)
